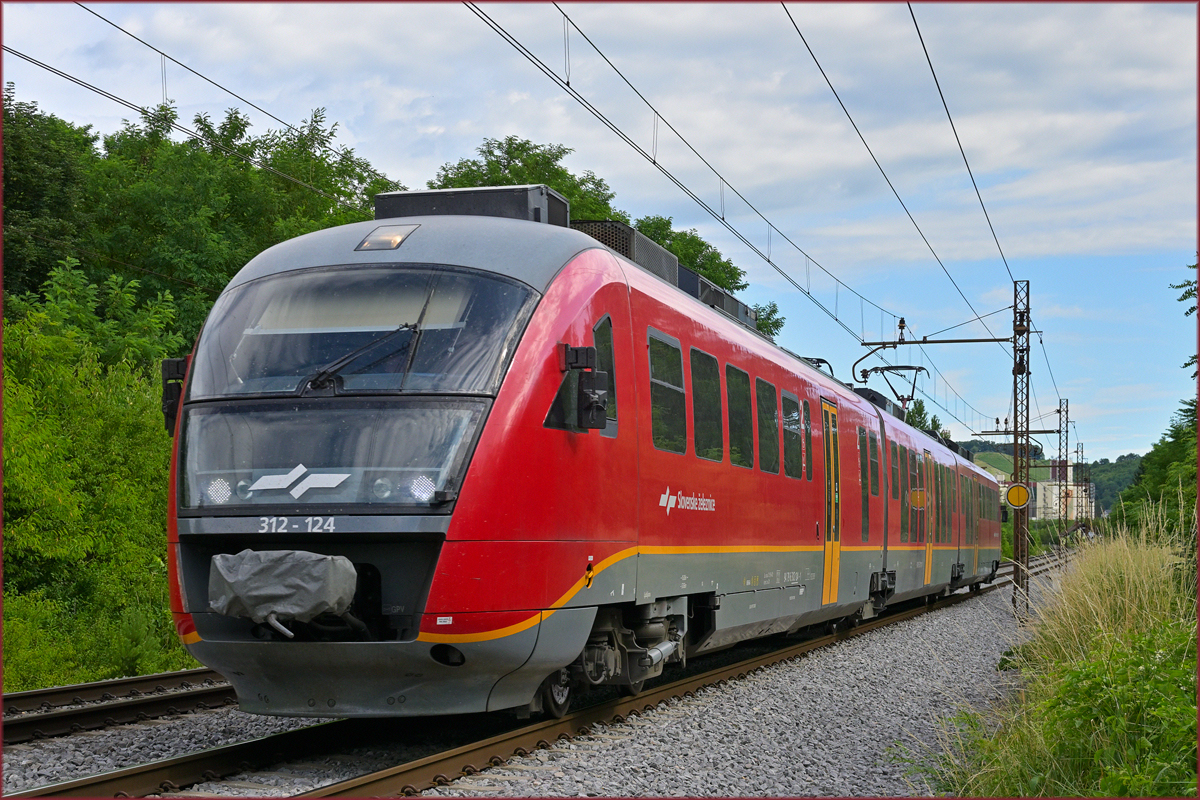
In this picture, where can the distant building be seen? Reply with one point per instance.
(1060, 497)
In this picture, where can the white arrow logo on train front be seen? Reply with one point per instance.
(667, 501)
(313, 481)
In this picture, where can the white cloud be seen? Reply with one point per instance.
(1079, 121)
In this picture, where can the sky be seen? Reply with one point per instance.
(1079, 122)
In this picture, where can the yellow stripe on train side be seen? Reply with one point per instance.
(579, 585)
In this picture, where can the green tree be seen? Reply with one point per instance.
(769, 321)
(46, 166)
(694, 253)
(513, 161)
(702, 258)
(1166, 475)
(1111, 478)
(916, 415)
(192, 213)
(1189, 293)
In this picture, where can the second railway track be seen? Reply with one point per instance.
(41, 713)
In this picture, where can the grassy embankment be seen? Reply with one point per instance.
(1107, 698)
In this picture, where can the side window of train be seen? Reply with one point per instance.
(944, 488)
(917, 481)
(706, 406)
(935, 498)
(895, 473)
(905, 497)
(874, 465)
(606, 362)
(966, 507)
(807, 443)
(768, 426)
(668, 409)
(940, 486)
(793, 462)
(862, 481)
(739, 405)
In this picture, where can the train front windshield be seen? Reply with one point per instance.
(364, 330)
(344, 386)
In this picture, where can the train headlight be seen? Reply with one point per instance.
(422, 488)
(382, 489)
(243, 490)
(218, 491)
(386, 237)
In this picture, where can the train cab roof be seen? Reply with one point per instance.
(530, 252)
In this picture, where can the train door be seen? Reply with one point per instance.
(833, 510)
(926, 529)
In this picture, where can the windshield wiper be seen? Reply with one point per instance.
(323, 377)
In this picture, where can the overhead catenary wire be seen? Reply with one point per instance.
(978, 194)
(886, 178)
(968, 322)
(703, 160)
(225, 89)
(1048, 368)
(717, 215)
(599, 115)
(946, 106)
(184, 130)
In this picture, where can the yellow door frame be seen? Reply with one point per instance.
(833, 533)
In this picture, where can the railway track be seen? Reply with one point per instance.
(505, 739)
(40, 713)
(441, 769)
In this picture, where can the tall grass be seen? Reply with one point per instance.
(1106, 699)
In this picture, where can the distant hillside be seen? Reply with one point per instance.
(978, 446)
(1113, 477)
(1000, 465)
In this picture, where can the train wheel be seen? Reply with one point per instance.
(633, 689)
(975, 588)
(557, 693)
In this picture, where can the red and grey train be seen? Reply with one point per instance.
(454, 461)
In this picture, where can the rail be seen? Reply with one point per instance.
(170, 775)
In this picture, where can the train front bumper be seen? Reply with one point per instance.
(384, 679)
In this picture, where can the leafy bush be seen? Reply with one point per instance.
(1107, 701)
(1126, 716)
(86, 470)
